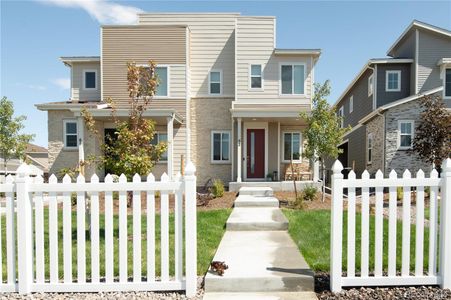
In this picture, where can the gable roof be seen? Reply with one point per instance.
(418, 25)
(35, 148)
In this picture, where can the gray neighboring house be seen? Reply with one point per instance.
(382, 104)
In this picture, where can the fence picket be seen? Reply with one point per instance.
(379, 230)
(178, 231)
(432, 267)
(39, 233)
(164, 231)
(150, 205)
(10, 236)
(53, 233)
(365, 227)
(392, 223)
(95, 253)
(81, 234)
(137, 232)
(419, 239)
(405, 268)
(123, 272)
(67, 232)
(109, 248)
(1, 249)
(351, 228)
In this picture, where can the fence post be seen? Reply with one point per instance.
(445, 224)
(336, 230)
(24, 230)
(190, 229)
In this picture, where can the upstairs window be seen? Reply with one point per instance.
(220, 146)
(291, 146)
(157, 138)
(369, 147)
(393, 81)
(340, 114)
(370, 85)
(215, 82)
(90, 79)
(70, 129)
(405, 134)
(292, 79)
(351, 104)
(256, 76)
(447, 83)
(163, 85)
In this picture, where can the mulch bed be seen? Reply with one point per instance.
(286, 198)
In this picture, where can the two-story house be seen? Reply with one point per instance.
(229, 99)
(382, 104)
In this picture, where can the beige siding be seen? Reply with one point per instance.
(212, 46)
(255, 45)
(78, 93)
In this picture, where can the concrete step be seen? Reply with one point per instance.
(256, 191)
(256, 201)
(261, 296)
(257, 218)
(260, 261)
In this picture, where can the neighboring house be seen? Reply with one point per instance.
(35, 155)
(229, 99)
(382, 104)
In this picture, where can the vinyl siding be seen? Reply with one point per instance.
(384, 97)
(406, 49)
(432, 47)
(357, 150)
(78, 93)
(212, 46)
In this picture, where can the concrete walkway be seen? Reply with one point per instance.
(264, 262)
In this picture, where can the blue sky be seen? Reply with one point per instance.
(34, 34)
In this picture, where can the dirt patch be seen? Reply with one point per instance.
(287, 199)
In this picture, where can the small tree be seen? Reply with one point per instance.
(130, 151)
(12, 143)
(324, 131)
(432, 140)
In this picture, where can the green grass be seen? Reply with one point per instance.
(210, 229)
(311, 232)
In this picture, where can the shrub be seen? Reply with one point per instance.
(299, 202)
(309, 193)
(218, 188)
(427, 191)
(399, 193)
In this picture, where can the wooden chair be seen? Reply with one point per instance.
(299, 171)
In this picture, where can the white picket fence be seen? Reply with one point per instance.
(439, 249)
(26, 224)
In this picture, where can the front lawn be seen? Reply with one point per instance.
(310, 231)
(210, 229)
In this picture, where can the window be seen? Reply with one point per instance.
(70, 134)
(220, 146)
(292, 79)
(163, 85)
(291, 146)
(215, 80)
(90, 79)
(351, 104)
(340, 114)
(370, 85)
(393, 81)
(447, 83)
(256, 77)
(160, 137)
(405, 134)
(369, 147)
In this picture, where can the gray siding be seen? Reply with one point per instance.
(384, 97)
(357, 150)
(406, 49)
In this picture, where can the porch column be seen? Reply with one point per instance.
(170, 129)
(239, 155)
(81, 141)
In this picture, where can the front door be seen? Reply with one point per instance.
(255, 153)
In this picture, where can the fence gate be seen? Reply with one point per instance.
(435, 246)
(63, 247)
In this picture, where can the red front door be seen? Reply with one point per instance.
(255, 153)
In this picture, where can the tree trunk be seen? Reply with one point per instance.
(323, 172)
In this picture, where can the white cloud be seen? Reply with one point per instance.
(104, 11)
(32, 86)
(63, 83)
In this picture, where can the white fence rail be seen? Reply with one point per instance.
(439, 238)
(40, 268)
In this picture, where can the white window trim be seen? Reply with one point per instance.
(444, 83)
(65, 121)
(370, 85)
(84, 79)
(300, 146)
(260, 89)
(341, 114)
(220, 82)
(292, 86)
(399, 80)
(351, 104)
(168, 67)
(368, 138)
(157, 135)
(412, 122)
(221, 161)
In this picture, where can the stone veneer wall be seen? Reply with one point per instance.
(376, 127)
(208, 114)
(399, 160)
